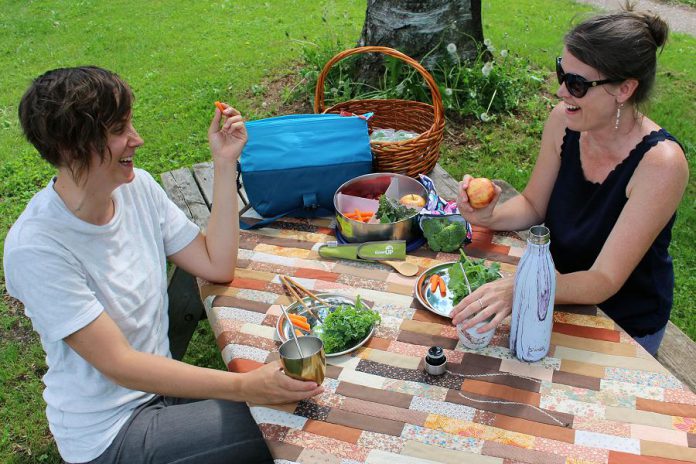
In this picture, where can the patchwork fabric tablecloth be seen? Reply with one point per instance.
(598, 397)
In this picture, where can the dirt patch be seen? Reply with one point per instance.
(19, 329)
(273, 99)
(457, 133)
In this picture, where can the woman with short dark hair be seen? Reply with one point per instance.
(87, 257)
(607, 183)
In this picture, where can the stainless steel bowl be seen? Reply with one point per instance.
(436, 302)
(372, 185)
(284, 328)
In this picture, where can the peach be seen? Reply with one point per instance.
(480, 192)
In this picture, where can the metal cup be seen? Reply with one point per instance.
(310, 367)
(473, 340)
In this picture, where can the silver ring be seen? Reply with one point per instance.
(480, 303)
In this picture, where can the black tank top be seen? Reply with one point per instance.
(581, 214)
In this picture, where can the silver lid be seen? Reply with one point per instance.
(539, 235)
(435, 370)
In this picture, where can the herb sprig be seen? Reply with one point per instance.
(477, 273)
(390, 211)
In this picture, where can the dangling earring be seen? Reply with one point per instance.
(618, 116)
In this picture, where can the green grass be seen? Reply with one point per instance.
(179, 57)
(690, 3)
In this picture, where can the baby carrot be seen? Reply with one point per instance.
(301, 325)
(297, 317)
(434, 281)
(298, 333)
(220, 106)
(442, 286)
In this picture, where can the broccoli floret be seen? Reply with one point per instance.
(452, 236)
(433, 226)
(443, 234)
(431, 229)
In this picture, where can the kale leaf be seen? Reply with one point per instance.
(347, 325)
(391, 211)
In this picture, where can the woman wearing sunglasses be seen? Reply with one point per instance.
(607, 183)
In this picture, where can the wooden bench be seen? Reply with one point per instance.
(192, 190)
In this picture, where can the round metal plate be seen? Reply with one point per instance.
(435, 302)
(283, 328)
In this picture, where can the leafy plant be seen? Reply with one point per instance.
(390, 211)
(339, 86)
(477, 274)
(493, 83)
(347, 325)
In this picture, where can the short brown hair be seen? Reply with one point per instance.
(67, 114)
(621, 45)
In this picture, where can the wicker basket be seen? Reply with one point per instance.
(410, 157)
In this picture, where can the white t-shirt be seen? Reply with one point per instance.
(67, 271)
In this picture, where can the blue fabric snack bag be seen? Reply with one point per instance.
(293, 165)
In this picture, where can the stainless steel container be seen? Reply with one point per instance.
(371, 186)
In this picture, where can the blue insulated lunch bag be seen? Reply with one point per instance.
(293, 165)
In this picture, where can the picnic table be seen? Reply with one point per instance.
(597, 397)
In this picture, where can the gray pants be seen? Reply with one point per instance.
(173, 430)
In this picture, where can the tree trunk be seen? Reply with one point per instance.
(422, 29)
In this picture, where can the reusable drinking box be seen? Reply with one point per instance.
(292, 165)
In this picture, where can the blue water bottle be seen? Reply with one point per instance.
(532, 302)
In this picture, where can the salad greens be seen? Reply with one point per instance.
(392, 211)
(477, 273)
(347, 325)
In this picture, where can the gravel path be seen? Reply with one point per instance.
(680, 18)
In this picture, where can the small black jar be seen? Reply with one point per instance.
(435, 361)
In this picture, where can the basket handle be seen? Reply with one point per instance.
(434, 90)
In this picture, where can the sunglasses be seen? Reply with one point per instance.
(577, 85)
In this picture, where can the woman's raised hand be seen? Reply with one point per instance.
(229, 137)
(475, 216)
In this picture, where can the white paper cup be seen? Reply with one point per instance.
(472, 339)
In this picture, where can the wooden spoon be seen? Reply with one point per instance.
(402, 267)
